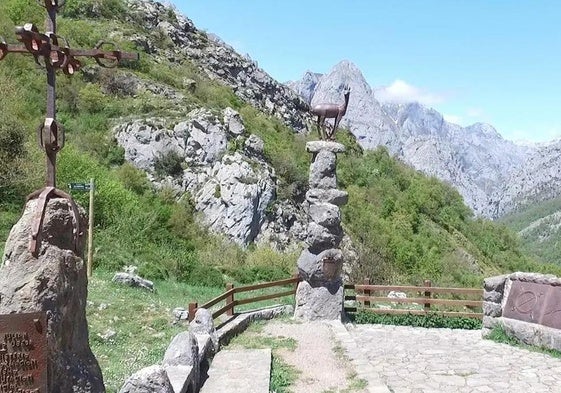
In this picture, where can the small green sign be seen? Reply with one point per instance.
(79, 186)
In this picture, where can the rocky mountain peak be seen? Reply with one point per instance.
(477, 160)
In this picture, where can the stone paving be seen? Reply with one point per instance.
(418, 360)
(241, 370)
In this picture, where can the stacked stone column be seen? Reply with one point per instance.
(320, 291)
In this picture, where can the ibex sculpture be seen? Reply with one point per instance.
(330, 111)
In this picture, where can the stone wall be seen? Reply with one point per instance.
(526, 305)
(186, 359)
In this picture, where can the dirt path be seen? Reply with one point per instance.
(318, 357)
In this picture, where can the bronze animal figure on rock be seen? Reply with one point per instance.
(330, 111)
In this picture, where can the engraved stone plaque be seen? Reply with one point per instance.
(23, 353)
(535, 303)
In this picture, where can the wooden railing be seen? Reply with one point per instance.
(426, 295)
(231, 291)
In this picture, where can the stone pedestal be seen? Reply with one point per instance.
(320, 293)
(55, 283)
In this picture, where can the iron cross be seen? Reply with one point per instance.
(54, 53)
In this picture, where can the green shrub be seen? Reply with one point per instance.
(133, 179)
(251, 274)
(432, 320)
(93, 9)
(169, 164)
(206, 276)
(24, 11)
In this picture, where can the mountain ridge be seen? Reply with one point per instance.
(486, 168)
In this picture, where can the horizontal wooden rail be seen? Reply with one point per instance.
(407, 288)
(264, 297)
(218, 299)
(278, 283)
(228, 296)
(424, 300)
(366, 294)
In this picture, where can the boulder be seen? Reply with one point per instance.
(325, 214)
(153, 379)
(319, 303)
(322, 170)
(323, 267)
(55, 282)
(132, 280)
(320, 238)
(234, 122)
(331, 195)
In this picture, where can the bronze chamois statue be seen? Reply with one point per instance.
(330, 111)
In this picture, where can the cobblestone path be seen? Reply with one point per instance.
(417, 360)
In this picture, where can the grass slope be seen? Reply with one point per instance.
(404, 225)
(539, 227)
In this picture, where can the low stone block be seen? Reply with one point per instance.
(153, 379)
(320, 268)
(538, 278)
(320, 238)
(492, 296)
(183, 350)
(492, 309)
(325, 214)
(323, 302)
(496, 283)
(332, 195)
(489, 322)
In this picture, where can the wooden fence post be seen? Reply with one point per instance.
(427, 283)
(230, 300)
(192, 309)
(366, 292)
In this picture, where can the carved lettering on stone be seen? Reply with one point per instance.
(23, 358)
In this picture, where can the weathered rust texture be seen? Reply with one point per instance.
(535, 303)
(23, 352)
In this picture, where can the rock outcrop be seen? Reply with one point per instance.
(220, 62)
(55, 283)
(539, 179)
(220, 166)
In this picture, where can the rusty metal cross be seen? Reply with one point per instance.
(54, 53)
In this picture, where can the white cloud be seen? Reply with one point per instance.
(453, 119)
(402, 92)
(475, 112)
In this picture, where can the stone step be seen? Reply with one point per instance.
(239, 371)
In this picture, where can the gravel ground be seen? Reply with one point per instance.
(322, 368)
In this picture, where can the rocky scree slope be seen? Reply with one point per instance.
(495, 176)
(219, 61)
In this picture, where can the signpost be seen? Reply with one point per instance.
(91, 188)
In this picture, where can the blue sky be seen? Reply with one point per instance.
(495, 61)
